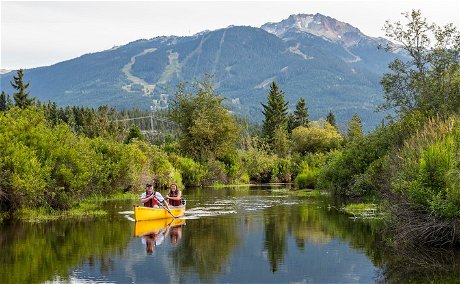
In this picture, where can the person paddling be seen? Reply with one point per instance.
(152, 198)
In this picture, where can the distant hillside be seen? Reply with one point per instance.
(330, 63)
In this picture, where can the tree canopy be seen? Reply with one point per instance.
(208, 130)
(428, 80)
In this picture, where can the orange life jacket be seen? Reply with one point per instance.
(174, 202)
(152, 202)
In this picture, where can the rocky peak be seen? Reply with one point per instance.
(318, 25)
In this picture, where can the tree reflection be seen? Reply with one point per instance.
(206, 247)
(34, 253)
(276, 224)
(318, 225)
(421, 265)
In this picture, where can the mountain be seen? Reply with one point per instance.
(330, 63)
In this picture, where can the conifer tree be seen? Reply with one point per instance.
(331, 119)
(3, 102)
(300, 116)
(21, 97)
(134, 133)
(355, 128)
(275, 112)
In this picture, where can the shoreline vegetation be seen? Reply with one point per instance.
(89, 208)
(54, 159)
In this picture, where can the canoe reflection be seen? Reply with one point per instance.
(154, 232)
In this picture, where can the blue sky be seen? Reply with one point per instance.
(37, 33)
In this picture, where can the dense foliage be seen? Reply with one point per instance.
(428, 167)
(208, 130)
(429, 80)
(52, 167)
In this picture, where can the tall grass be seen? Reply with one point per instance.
(429, 166)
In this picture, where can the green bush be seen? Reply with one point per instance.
(346, 172)
(258, 164)
(318, 137)
(117, 165)
(428, 168)
(216, 173)
(281, 172)
(40, 165)
(232, 165)
(193, 173)
(53, 168)
(307, 179)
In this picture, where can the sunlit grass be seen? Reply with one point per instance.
(362, 210)
(89, 208)
(306, 193)
(83, 210)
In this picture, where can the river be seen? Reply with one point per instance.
(229, 235)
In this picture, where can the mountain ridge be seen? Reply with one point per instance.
(340, 76)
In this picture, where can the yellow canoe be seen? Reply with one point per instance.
(142, 228)
(147, 213)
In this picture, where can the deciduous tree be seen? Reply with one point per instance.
(426, 79)
(208, 130)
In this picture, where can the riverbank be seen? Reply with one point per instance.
(89, 208)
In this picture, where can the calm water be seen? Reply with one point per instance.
(229, 235)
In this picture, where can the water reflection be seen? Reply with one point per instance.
(154, 232)
(230, 235)
(421, 265)
(33, 253)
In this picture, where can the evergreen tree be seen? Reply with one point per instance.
(21, 97)
(275, 112)
(331, 119)
(52, 113)
(134, 133)
(3, 102)
(299, 117)
(355, 128)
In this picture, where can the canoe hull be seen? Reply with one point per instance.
(142, 228)
(148, 213)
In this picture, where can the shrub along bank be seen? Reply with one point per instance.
(44, 166)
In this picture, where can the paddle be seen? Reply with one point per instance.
(161, 204)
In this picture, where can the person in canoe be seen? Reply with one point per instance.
(152, 198)
(174, 195)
